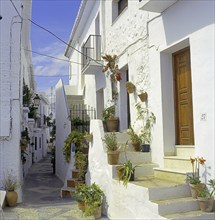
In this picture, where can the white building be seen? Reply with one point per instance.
(167, 49)
(16, 73)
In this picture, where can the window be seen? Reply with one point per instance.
(122, 4)
(35, 143)
(118, 7)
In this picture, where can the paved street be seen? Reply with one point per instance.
(41, 197)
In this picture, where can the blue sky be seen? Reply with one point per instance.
(57, 16)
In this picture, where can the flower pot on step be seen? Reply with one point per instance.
(206, 204)
(11, 197)
(196, 188)
(145, 147)
(136, 146)
(113, 157)
(112, 124)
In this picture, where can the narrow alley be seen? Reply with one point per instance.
(41, 197)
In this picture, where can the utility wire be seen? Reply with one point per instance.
(55, 35)
(16, 10)
(51, 76)
(63, 41)
(56, 58)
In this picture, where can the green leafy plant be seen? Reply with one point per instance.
(148, 120)
(110, 141)
(208, 192)
(94, 198)
(135, 139)
(23, 156)
(81, 163)
(33, 112)
(75, 137)
(108, 112)
(11, 182)
(27, 95)
(80, 193)
(126, 170)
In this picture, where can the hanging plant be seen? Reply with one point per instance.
(111, 64)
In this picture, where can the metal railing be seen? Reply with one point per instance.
(80, 116)
(91, 49)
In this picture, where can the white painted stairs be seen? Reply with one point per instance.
(168, 191)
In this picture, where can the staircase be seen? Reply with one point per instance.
(70, 185)
(169, 194)
(177, 167)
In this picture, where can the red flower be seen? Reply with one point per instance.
(192, 160)
(202, 161)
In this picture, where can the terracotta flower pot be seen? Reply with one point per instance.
(11, 197)
(143, 96)
(98, 212)
(136, 146)
(196, 188)
(206, 204)
(112, 124)
(81, 206)
(113, 157)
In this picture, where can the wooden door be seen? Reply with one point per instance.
(183, 98)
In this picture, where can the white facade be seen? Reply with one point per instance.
(15, 65)
(63, 128)
(146, 36)
(16, 68)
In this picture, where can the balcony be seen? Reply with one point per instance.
(155, 5)
(91, 58)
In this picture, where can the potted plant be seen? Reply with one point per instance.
(23, 143)
(130, 87)
(194, 181)
(80, 195)
(75, 137)
(143, 96)
(110, 141)
(93, 201)
(206, 197)
(88, 136)
(126, 171)
(10, 184)
(81, 165)
(148, 119)
(112, 122)
(135, 139)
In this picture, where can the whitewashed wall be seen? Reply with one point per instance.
(197, 32)
(11, 87)
(63, 128)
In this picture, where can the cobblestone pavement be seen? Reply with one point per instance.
(41, 197)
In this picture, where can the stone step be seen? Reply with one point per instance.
(122, 137)
(172, 206)
(177, 162)
(75, 173)
(185, 150)
(135, 157)
(174, 191)
(198, 214)
(172, 174)
(144, 169)
(67, 191)
(71, 182)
